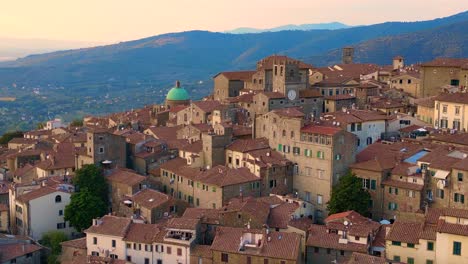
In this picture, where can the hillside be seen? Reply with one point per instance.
(131, 74)
(445, 41)
(331, 25)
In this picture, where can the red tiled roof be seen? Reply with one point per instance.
(125, 176)
(361, 258)
(223, 176)
(447, 62)
(150, 199)
(255, 207)
(404, 185)
(340, 97)
(281, 215)
(281, 245)
(15, 250)
(247, 145)
(183, 223)
(141, 233)
(319, 237)
(403, 231)
(110, 225)
(273, 95)
(460, 98)
(294, 112)
(316, 129)
(37, 193)
(208, 216)
(237, 75)
(207, 106)
(75, 243)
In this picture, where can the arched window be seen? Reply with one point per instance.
(284, 133)
(58, 199)
(292, 134)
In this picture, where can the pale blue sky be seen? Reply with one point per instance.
(118, 20)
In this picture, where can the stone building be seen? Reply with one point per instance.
(342, 234)
(451, 111)
(320, 154)
(229, 84)
(102, 145)
(443, 71)
(245, 245)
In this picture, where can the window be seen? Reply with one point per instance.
(457, 110)
(224, 257)
(459, 198)
(147, 261)
(342, 252)
(265, 261)
(179, 252)
(94, 253)
(373, 184)
(169, 250)
(440, 193)
(429, 261)
(249, 260)
(396, 243)
(369, 141)
(328, 251)
(60, 212)
(397, 258)
(61, 225)
(457, 248)
(393, 190)
(320, 154)
(316, 250)
(337, 156)
(359, 126)
(280, 147)
(356, 238)
(113, 243)
(101, 150)
(113, 256)
(58, 199)
(307, 196)
(410, 245)
(319, 199)
(94, 240)
(430, 246)
(353, 127)
(460, 176)
(410, 260)
(392, 206)
(444, 109)
(366, 183)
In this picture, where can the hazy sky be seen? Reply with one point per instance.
(118, 20)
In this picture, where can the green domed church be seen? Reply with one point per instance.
(177, 96)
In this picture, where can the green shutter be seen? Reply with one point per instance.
(280, 147)
(373, 184)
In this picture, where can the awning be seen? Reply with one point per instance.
(440, 174)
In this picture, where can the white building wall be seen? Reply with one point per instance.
(44, 214)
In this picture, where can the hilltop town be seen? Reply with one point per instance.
(252, 173)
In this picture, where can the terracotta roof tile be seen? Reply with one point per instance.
(110, 225)
(125, 176)
(403, 231)
(317, 129)
(183, 223)
(237, 75)
(281, 215)
(150, 199)
(247, 145)
(294, 112)
(223, 176)
(319, 237)
(15, 250)
(361, 258)
(281, 245)
(460, 98)
(141, 233)
(75, 243)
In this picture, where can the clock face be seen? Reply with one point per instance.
(292, 94)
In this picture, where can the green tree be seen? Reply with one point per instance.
(91, 177)
(9, 136)
(76, 123)
(52, 240)
(41, 125)
(83, 208)
(348, 194)
(90, 199)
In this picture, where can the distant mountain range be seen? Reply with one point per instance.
(12, 48)
(131, 74)
(303, 27)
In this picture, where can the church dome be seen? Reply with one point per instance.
(177, 93)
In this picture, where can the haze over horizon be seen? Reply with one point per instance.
(110, 21)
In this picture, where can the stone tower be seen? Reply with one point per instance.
(348, 54)
(398, 63)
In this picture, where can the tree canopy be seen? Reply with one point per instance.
(76, 123)
(91, 177)
(90, 199)
(52, 240)
(9, 136)
(348, 194)
(83, 208)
